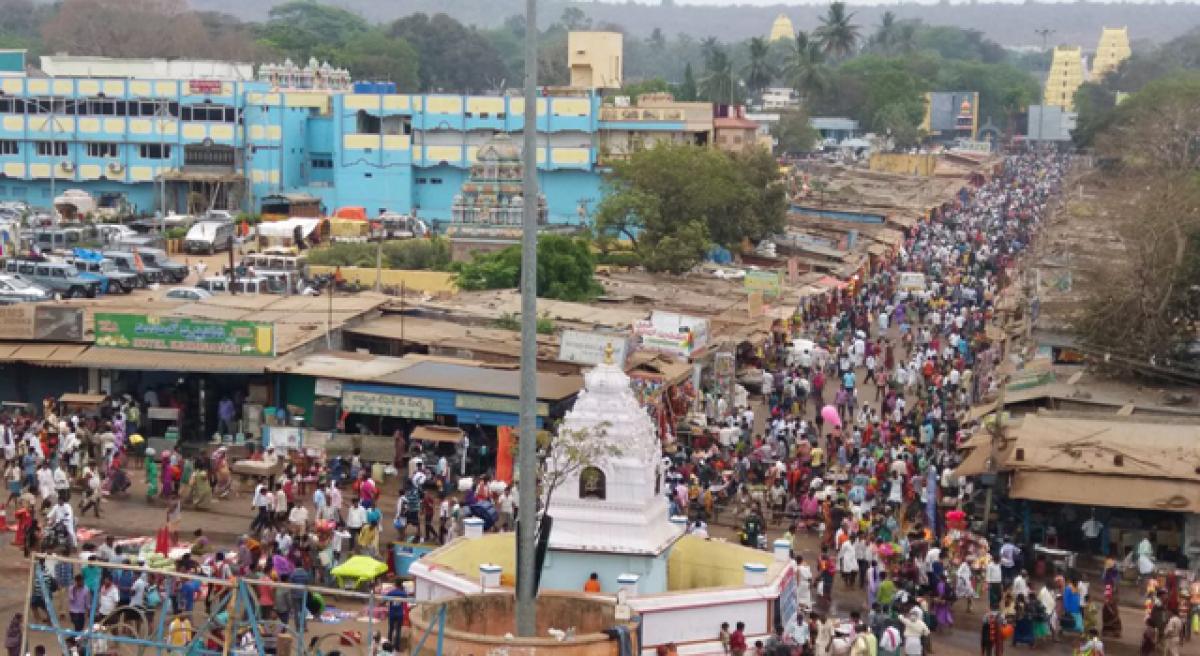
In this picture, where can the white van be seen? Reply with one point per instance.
(210, 237)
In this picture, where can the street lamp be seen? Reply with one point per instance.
(527, 518)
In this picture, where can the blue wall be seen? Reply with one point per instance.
(569, 570)
(415, 156)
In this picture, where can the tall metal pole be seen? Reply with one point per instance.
(526, 452)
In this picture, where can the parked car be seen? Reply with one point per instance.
(118, 281)
(129, 263)
(139, 241)
(58, 277)
(210, 237)
(172, 270)
(14, 289)
(189, 293)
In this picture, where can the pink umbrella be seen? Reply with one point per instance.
(830, 415)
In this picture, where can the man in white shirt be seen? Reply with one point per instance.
(64, 514)
(994, 576)
(262, 507)
(355, 520)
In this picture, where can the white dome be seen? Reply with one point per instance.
(607, 403)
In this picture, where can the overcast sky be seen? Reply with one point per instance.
(768, 3)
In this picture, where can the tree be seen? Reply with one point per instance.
(687, 89)
(1143, 314)
(300, 28)
(719, 84)
(573, 18)
(453, 57)
(374, 55)
(805, 69)
(836, 34)
(885, 35)
(794, 133)
(670, 201)
(566, 269)
(635, 89)
(126, 28)
(759, 72)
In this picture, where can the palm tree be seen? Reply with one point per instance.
(718, 84)
(885, 35)
(759, 72)
(806, 70)
(708, 47)
(838, 36)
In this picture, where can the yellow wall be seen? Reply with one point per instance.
(904, 163)
(1066, 74)
(595, 59)
(782, 29)
(434, 282)
(1111, 51)
(698, 563)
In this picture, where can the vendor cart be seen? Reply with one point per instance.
(83, 405)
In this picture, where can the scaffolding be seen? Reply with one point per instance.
(225, 620)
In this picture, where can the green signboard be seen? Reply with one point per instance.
(184, 334)
(770, 283)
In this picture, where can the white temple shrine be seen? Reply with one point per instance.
(611, 518)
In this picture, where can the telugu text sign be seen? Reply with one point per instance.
(41, 321)
(382, 404)
(495, 404)
(184, 335)
(591, 348)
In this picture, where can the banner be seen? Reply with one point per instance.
(184, 334)
(382, 404)
(590, 348)
(768, 282)
(668, 332)
(41, 321)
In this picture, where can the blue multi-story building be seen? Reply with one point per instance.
(188, 135)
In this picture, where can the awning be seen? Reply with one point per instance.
(46, 355)
(437, 434)
(128, 359)
(83, 399)
(202, 176)
(1107, 491)
(975, 464)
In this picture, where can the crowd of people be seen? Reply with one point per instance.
(867, 394)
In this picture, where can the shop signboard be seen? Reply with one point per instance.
(770, 283)
(495, 404)
(285, 438)
(591, 348)
(208, 87)
(678, 334)
(184, 334)
(46, 322)
(382, 404)
(330, 387)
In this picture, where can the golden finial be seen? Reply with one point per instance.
(608, 353)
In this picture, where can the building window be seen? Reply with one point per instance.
(208, 156)
(421, 181)
(154, 151)
(592, 483)
(102, 150)
(52, 148)
(366, 123)
(435, 181)
(10, 147)
(209, 113)
(322, 162)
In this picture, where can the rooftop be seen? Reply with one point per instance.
(145, 69)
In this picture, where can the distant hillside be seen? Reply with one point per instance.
(1011, 25)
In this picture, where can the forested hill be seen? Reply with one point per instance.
(1010, 24)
